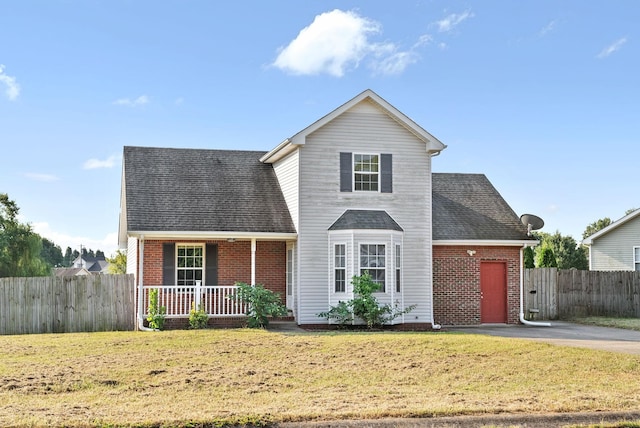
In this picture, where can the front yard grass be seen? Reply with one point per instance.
(222, 377)
(627, 323)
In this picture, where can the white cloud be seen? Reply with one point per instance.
(108, 244)
(13, 88)
(41, 177)
(141, 100)
(334, 42)
(547, 29)
(615, 46)
(453, 20)
(338, 41)
(97, 163)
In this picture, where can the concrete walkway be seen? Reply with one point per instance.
(566, 334)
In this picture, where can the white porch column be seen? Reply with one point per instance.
(140, 277)
(253, 261)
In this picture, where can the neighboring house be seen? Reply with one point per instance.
(617, 246)
(352, 192)
(70, 272)
(91, 264)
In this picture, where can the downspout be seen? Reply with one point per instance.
(522, 320)
(141, 326)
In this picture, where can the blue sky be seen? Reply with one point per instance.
(541, 96)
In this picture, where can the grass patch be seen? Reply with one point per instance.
(223, 377)
(626, 323)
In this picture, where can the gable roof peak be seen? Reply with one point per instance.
(433, 145)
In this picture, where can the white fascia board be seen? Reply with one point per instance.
(485, 243)
(262, 236)
(122, 221)
(589, 240)
(280, 151)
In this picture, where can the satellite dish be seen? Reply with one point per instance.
(533, 222)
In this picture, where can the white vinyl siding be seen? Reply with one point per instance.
(615, 250)
(287, 170)
(132, 256)
(364, 129)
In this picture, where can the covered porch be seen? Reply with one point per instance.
(188, 272)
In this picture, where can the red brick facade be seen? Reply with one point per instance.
(234, 263)
(456, 283)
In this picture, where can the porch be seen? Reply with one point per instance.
(177, 301)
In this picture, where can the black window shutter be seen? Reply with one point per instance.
(211, 265)
(168, 264)
(346, 175)
(386, 173)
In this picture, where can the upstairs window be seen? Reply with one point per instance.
(366, 174)
(636, 258)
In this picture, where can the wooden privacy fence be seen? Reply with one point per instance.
(550, 293)
(67, 304)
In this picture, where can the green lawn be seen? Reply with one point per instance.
(628, 323)
(227, 376)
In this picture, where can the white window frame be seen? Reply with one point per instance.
(342, 268)
(636, 258)
(370, 173)
(361, 269)
(194, 268)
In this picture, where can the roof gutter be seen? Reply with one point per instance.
(214, 235)
(487, 242)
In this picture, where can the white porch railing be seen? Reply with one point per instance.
(177, 300)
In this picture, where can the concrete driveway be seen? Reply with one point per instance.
(566, 334)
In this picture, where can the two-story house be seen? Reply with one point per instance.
(352, 192)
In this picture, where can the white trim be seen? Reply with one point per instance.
(589, 240)
(354, 172)
(213, 235)
(203, 268)
(485, 243)
(332, 279)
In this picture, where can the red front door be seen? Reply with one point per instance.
(493, 291)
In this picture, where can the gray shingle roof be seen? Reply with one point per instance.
(467, 206)
(199, 190)
(365, 219)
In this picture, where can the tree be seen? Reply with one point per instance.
(596, 226)
(100, 254)
(68, 257)
(118, 263)
(546, 258)
(20, 247)
(565, 249)
(51, 253)
(529, 261)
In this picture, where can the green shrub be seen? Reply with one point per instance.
(156, 312)
(198, 318)
(364, 305)
(261, 304)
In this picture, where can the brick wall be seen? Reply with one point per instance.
(456, 283)
(234, 263)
